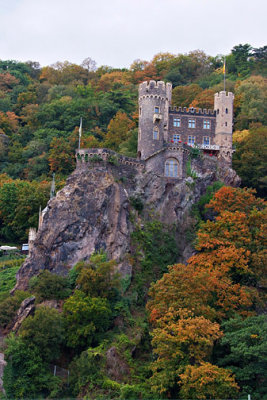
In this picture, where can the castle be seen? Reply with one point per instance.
(167, 134)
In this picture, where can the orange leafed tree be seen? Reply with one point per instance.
(204, 99)
(218, 282)
(207, 381)
(118, 130)
(180, 339)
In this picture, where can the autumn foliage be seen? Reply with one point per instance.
(190, 301)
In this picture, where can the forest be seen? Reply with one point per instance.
(177, 331)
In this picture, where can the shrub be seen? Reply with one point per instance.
(9, 307)
(137, 203)
(48, 286)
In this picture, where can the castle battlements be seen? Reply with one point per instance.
(153, 88)
(192, 111)
(223, 94)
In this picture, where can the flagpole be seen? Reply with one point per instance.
(80, 133)
(224, 74)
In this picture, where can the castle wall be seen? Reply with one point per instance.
(198, 131)
(156, 163)
(86, 156)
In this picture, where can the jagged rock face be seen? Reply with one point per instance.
(92, 212)
(27, 308)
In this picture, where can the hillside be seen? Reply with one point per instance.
(138, 285)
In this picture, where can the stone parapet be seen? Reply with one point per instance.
(192, 111)
(95, 154)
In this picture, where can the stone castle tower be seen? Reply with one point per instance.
(154, 102)
(223, 105)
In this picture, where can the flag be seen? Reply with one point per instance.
(80, 129)
(224, 66)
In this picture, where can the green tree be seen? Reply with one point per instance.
(46, 331)
(244, 351)
(48, 286)
(26, 375)
(97, 278)
(239, 62)
(252, 95)
(249, 160)
(86, 318)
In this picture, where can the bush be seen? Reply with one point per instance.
(137, 203)
(113, 160)
(48, 286)
(9, 307)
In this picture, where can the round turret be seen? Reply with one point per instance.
(154, 100)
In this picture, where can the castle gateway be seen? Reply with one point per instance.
(166, 134)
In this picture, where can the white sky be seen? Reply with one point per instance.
(116, 32)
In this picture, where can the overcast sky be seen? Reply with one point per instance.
(116, 32)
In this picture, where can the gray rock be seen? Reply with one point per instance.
(93, 212)
(27, 308)
(116, 366)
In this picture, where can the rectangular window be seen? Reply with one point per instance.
(206, 124)
(156, 110)
(140, 110)
(191, 123)
(176, 138)
(176, 122)
(191, 140)
(206, 140)
(155, 134)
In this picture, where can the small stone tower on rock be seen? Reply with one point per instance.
(154, 102)
(223, 105)
(31, 238)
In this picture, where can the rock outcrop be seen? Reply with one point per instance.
(27, 308)
(94, 211)
(2, 367)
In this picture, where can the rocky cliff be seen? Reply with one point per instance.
(96, 210)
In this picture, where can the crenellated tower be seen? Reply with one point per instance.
(154, 102)
(223, 105)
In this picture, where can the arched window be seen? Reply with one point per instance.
(226, 111)
(155, 133)
(171, 168)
